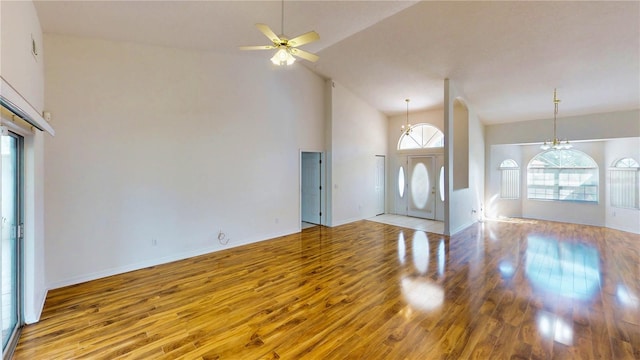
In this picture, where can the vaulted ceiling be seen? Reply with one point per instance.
(507, 57)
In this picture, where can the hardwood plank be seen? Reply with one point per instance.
(515, 289)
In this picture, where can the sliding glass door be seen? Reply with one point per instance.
(11, 181)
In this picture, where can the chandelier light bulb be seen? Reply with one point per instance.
(290, 59)
(283, 57)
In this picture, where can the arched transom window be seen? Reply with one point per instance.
(626, 163)
(563, 175)
(421, 136)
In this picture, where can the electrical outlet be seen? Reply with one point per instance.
(222, 238)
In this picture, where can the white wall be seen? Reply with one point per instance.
(620, 218)
(358, 134)
(169, 145)
(25, 73)
(461, 143)
(21, 69)
(465, 206)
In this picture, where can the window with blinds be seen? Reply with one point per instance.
(509, 179)
(563, 175)
(624, 183)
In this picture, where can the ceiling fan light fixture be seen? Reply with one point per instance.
(283, 57)
(286, 49)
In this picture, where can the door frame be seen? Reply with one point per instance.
(400, 206)
(19, 230)
(439, 164)
(384, 184)
(323, 191)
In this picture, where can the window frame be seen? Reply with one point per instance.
(561, 181)
(422, 145)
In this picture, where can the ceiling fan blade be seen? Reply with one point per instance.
(306, 38)
(266, 30)
(257, 47)
(304, 54)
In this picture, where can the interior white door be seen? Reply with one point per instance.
(310, 187)
(380, 176)
(422, 187)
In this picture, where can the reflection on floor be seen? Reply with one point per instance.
(436, 227)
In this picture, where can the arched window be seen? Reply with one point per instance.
(509, 179)
(627, 163)
(421, 136)
(563, 175)
(624, 180)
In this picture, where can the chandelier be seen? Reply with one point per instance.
(556, 143)
(406, 129)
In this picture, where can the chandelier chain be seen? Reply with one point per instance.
(555, 143)
(406, 129)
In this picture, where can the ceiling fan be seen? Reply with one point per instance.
(287, 48)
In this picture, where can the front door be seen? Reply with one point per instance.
(421, 186)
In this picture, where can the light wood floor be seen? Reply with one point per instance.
(498, 290)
